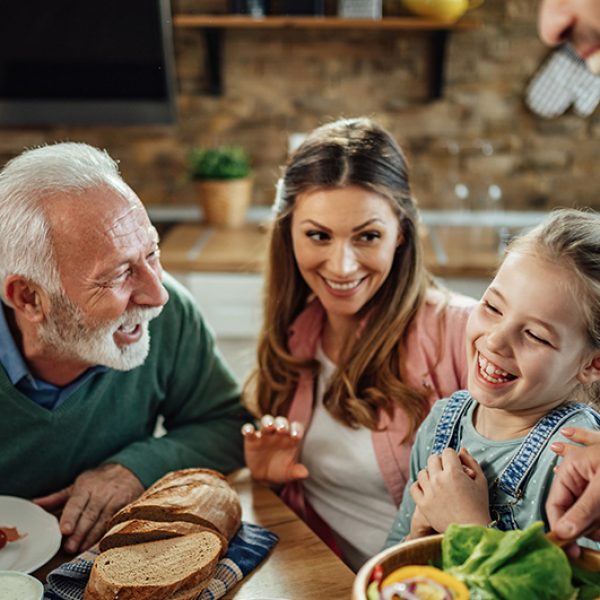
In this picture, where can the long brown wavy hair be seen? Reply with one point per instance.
(349, 152)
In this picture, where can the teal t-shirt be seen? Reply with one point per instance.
(112, 416)
(493, 456)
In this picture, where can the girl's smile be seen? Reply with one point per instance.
(527, 342)
(493, 373)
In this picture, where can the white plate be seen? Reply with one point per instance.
(42, 535)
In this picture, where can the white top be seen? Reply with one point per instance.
(345, 486)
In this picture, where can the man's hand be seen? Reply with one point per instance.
(88, 504)
(271, 453)
(452, 489)
(573, 504)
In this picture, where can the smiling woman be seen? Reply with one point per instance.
(344, 241)
(357, 344)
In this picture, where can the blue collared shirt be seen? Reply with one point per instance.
(47, 395)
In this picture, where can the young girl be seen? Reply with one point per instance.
(357, 342)
(533, 344)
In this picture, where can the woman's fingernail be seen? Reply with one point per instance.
(567, 431)
(267, 421)
(296, 429)
(557, 447)
(247, 428)
(281, 423)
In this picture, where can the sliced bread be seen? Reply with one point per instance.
(156, 570)
(137, 531)
(194, 495)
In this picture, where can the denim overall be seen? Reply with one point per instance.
(509, 487)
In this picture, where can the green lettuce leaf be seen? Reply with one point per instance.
(512, 565)
(587, 582)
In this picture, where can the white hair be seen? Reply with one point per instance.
(27, 182)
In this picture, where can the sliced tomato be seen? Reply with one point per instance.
(11, 533)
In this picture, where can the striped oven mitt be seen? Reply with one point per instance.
(563, 81)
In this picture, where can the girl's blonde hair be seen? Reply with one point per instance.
(571, 238)
(352, 152)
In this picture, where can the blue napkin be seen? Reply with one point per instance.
(247, 549)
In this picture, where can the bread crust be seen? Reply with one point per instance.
(199, 496)
(137, 531)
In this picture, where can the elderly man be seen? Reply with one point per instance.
(573, 505)
(95, 344)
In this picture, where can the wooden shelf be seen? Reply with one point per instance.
(214, 26)
(289, 22)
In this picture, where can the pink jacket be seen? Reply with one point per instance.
(438, 380)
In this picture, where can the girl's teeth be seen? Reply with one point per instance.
(343, 286)
(490, 373)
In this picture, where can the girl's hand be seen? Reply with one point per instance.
(271, 452)
(419, 526)
(447, 493)
(579, 435)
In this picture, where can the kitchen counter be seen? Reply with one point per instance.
(466, 251)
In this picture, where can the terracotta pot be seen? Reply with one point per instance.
(415, 552)
(224, 202)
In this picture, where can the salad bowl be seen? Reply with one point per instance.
(416, 552)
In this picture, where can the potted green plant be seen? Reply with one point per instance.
(223, 179)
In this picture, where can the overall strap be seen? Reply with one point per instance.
(446, 431)
(512, 479)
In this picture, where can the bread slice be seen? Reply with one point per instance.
(137, 531)
(197, 496)
(155, 570)
(191, 593)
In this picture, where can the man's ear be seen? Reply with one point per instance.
(25, 298)
(591, 372)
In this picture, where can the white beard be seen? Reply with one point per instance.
(67, 333)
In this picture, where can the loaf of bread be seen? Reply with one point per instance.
(177, 568)
(137, 531)
(200, 496)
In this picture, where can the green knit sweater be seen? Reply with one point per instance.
(112, 416)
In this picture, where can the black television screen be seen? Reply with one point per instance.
(86, 62)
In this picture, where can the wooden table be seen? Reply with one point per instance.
(300, 567)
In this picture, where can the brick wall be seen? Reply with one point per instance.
(279, 82)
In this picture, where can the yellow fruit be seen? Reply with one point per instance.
(457, 588)
(442, 10)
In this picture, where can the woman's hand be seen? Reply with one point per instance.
(579, 435)
(445, 492)
(271, 452)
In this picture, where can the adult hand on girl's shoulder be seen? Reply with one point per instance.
(447, 492)
(573, 504)
(271, 451)
(578, 435)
